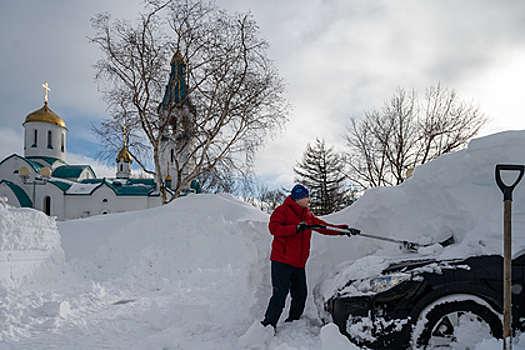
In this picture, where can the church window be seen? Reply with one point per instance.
(35, 138)
(121, 167)
(49, 137)
(172, 155)
(105, 200)
(105, 211)
(62, 143)
(47, 205)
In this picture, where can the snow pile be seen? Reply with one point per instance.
(256, 336)
(211, 243)
(29, 241)
(194, 274)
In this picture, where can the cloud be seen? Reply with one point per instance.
(10, 142)
(344, 57)
(339, 57)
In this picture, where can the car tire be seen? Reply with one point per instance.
(456, 319)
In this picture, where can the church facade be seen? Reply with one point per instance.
(41, 178)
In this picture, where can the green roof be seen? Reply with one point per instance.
(50, 160)
(70, 171)
(36, 167)
(64, 186)
(129, 187)
(20, 194)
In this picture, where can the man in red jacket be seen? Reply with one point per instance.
(290, 251)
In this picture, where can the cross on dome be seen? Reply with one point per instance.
(124, 132)
(46, 87)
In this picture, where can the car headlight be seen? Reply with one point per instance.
(382, 283)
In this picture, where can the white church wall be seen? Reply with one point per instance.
(82, 206)
(9, 169)
(56, 200)
(85, 175)
(132, 203)
(6, 192)
(102, 201)
(48, 140)
(153, 201)
(38, 193)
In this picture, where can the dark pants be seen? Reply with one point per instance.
(286, 278)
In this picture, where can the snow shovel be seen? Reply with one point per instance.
(405, 245)
(507, 249)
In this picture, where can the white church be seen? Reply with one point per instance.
(41, 178)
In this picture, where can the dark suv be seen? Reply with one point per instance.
(427, 303)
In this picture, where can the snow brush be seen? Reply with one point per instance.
(405, 245)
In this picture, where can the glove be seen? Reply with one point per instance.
(301, 227)
(350, 231)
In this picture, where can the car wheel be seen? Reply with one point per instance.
(459, 321)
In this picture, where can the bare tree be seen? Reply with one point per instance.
(271, 199)
(382, 143)
(260, 196)
(406, 133)
(447, 124)
(322, 170)
(253, 191)
(233, 96)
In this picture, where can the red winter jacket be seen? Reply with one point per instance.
(288, 246)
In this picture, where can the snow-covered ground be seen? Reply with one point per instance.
(194, 274)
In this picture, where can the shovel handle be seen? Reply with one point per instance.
(319, 226)
(507, 190)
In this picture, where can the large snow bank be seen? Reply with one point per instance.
(454, 195)
(211, 241)
(29, 241)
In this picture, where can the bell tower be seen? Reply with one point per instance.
(177, 143)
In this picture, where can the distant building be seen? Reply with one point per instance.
(177, 144)
(42, 179)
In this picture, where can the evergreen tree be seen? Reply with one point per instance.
(322, 171)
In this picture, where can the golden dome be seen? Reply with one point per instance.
(168, 178)
(45, 115)
(124, 154)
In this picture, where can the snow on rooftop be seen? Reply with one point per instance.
(81, 188)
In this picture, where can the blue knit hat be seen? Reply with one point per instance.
(299, 192)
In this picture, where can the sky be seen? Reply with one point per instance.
(339, 58)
